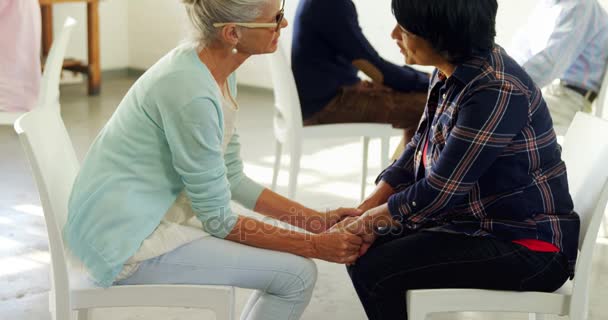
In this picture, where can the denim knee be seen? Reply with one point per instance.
(296, 281)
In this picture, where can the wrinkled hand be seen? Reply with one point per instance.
(368, 240)
(338, 247)
(334, 216)
(341, 226)
(353, 225)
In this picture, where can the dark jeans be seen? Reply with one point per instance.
(430, 260)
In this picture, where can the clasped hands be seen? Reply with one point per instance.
(350, 232)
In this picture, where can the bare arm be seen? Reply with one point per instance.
(378, 197)
(273, 205)
(334, 247)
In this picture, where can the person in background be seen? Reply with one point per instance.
(151, 203)
(479, 199)
(564, 48)
(20, 72)
(328, 50)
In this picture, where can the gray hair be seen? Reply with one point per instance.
(204, 13)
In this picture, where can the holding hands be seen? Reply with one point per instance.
(375, 215)
(338, 247)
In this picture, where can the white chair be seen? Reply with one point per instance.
(601, 104)
(588, 181)
(49, 84)
(601, 111)
(289, 129)
(54, 165)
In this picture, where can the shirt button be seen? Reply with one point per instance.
(444, 96)
(413, 203)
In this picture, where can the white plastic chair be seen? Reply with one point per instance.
(601, 104)
(49, 84)
(289, 129)
(601, 111)
(55, 166)
(588, 181)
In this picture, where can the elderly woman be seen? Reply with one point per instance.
(479, 198)
(151, 204)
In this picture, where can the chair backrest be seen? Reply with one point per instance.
(602, 99)
(53, 161)
(585, 152)
(288, 115)
(49, 85)
(54, 166)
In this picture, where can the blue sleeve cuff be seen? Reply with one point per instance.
(397, 178)
(247, 192)
(222, 224)
(397, 209)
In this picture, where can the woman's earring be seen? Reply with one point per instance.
(234, 50)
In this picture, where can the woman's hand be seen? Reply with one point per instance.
(366, 224)
(340, 214)
(360, 227)
(338, 247)
(378, 197)
(322, 222)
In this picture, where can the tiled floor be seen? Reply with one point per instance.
(329, 178)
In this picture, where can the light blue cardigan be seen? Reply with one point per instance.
(166, 135)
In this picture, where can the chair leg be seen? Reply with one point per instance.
(83, 314)
(604, 229)
(294, 169)
(278, 150)
(365, 141)
(384, 146)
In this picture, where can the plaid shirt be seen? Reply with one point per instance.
(494, 167)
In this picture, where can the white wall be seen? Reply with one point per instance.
(113, 29)
(155, 27)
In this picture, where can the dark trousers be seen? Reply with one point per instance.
(365, 102)
(429, 260)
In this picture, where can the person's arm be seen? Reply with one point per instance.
(274, 205)
(195, 137)
(342, 31)
(566, 43)
(396, 177)
(338, 247)
(486, 123)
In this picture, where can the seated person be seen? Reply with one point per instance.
(20, 32)
(565, 40)
(479, 198)
(151, 204)
(328, 50)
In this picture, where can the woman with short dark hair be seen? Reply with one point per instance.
(479, 198)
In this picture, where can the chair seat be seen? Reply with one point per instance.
(460, 300)
(194, 296)
(350, 130)
(85, 294)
